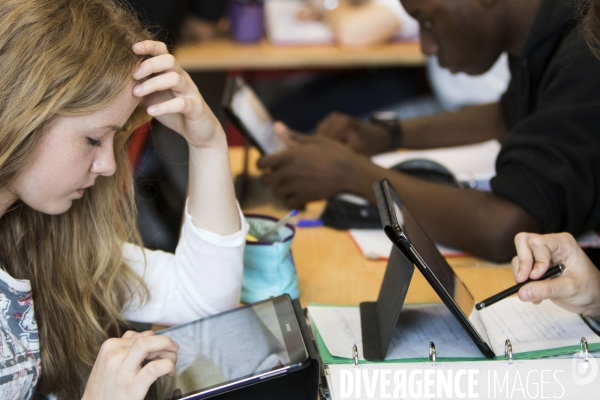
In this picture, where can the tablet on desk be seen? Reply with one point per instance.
(247, 113)
(237, 348)
(409, 237)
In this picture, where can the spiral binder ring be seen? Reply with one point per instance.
(583, 349)
(432, 353)
(508, 353)
(355, 355)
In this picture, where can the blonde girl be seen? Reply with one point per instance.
(76, 78)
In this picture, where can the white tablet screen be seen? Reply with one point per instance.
(255, 117)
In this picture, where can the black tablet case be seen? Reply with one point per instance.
(378, 319)
(299, 385)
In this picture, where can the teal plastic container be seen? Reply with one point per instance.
(269, 268)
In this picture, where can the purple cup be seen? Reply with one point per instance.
(246, 18)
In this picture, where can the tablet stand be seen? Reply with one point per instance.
(379, 319)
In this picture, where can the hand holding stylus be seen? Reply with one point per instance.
(576, 290)
(552, 272)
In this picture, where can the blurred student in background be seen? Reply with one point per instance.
(548, 171)
(362, 23)
(302, 100)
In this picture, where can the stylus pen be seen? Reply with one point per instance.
(551, 273)
(278, 225)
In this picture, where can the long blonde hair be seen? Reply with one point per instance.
(68, 57)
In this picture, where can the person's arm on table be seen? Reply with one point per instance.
(355, 24)
(362, 25)
(469, 125)
(479, 222)
(576, 290)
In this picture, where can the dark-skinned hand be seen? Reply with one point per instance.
(314, 168)
(362, 137)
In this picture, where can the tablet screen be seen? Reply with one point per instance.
(227, 348)
(438, 265)
(251, 112)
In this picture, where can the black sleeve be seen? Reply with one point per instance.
(550, 162)
(509, 98)
(210, 10)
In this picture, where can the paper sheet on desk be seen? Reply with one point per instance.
(340, 329)
(375, 245)
(472, 163)
(283, 26)
(531, 327)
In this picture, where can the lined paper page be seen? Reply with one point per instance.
(533, 327)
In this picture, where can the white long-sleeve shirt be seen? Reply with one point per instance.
(203, 277)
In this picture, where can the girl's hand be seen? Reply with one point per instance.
(576, 290)
(169, 95)
(118, 371)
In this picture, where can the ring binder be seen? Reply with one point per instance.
(508, 353)
(432, 353)
(355, 354)
(583, 350)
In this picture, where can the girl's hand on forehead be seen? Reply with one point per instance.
(169, 94)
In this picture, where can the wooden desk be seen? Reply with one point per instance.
(332, 270)
(224, 53)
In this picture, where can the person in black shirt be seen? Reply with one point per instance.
(548, 171)
(578, 288)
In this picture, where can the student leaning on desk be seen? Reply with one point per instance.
(548, 171)
(76, 78)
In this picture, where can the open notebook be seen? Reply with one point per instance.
(534, 331)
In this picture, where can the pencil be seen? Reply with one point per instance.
(278, 225)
